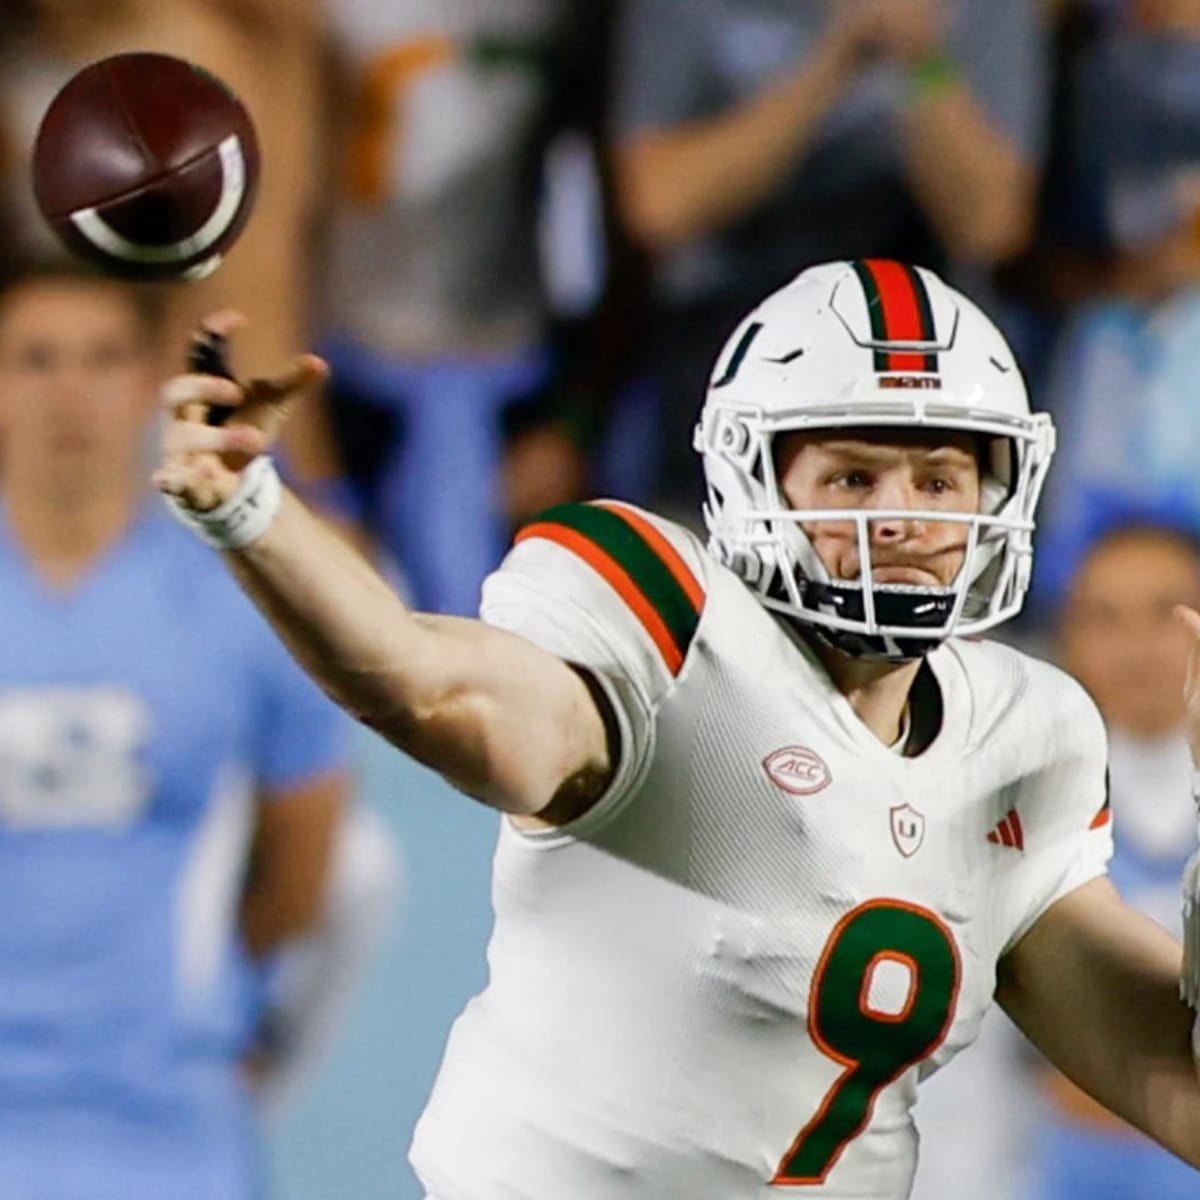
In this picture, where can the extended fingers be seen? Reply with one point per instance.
(177, 393)
(199, 490)
(304, 372)
(224, 321)
(188, 437)
(269, 401)
(1188, 618)
(173, 478)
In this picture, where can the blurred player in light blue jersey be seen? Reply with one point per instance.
(170, 785)
(1119, 641)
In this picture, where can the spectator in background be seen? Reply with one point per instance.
(1117, 636)
(1122, 384)
(157, 834)
(273, 53)
(761, 136)
(438, 311)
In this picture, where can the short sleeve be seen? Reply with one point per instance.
(609, 589)
(1064, 810)
(662, 67)
(298, 733)
(1005, 53)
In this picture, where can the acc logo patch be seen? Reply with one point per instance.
(797, 770)
(908, 829)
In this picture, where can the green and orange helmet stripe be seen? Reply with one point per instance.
(900, 311)
(637, 562)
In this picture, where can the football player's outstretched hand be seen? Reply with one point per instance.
(201, 463)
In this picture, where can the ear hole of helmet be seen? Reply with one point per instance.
(733, 440)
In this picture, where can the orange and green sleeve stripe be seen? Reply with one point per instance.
(638, 563)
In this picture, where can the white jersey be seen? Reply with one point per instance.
(729, 976)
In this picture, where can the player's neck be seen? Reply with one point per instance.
(877, 691)
(62, 539)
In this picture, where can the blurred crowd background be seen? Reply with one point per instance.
(520, 230)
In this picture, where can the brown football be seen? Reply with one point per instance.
(146, 165)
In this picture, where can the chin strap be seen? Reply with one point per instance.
(894, 605)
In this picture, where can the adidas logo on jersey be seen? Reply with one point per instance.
(1008, 832)
(798, 770)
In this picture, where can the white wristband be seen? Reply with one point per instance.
(244, 517)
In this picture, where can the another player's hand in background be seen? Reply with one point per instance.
(201, 463)
(1190, 984)
(1190, 619)
(911, 31)
(904, 31)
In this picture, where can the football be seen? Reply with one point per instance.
(147, 166)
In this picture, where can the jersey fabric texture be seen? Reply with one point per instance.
(141, 712)
(730, 975)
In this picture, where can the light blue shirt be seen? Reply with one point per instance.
(141, 713)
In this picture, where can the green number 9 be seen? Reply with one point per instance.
(874, 1047)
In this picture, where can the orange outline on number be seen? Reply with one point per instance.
(850, 1065)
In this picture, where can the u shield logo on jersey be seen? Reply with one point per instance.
(908, 829)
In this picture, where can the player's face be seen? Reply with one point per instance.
(75, 382)
(894, 470)
(1118, 636)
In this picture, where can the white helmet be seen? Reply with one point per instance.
(871, 344)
